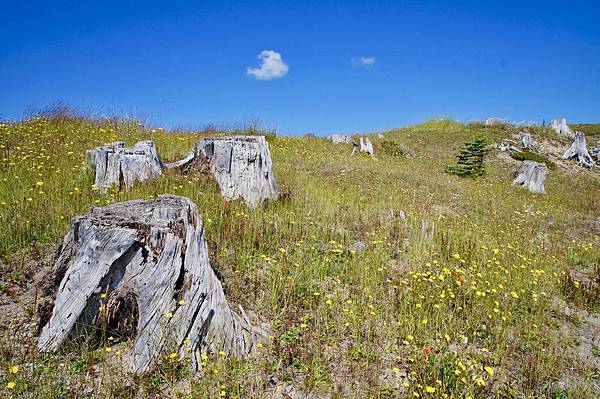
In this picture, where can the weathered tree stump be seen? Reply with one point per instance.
(579, 149)
(364, 145)
(527, 142)
(340, 139)
(560, 126)
(147, 258)
(241, 165)
(116, 165)
(532, 176)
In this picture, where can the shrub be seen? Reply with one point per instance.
(394, 148)
(470, 158)
(532, 156)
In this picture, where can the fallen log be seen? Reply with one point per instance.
(181, 164)
(144, 260)
(532, 176)
(579, 149)
(116, 165)
(508, 145)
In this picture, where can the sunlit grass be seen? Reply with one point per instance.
(462, 310)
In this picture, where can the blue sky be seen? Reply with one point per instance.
(185, 64)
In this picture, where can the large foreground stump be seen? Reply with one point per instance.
(241, 165)
(150, 259)
(532, 176)
(578, 149)
(116, 165)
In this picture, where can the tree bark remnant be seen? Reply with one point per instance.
(152, 254)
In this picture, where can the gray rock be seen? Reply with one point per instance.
(359, 247)
(595, 153)
(406, 244)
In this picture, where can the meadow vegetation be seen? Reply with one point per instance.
(461, 298)
(533, 156)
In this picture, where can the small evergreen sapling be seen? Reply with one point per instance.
(471, 158)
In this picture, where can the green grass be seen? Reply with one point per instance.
(533, 156)
(591, 130)
(438, 313)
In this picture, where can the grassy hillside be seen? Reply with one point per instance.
(463, 298)
(590, 130)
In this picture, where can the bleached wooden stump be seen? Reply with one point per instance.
(364, 145)
(560, 126)
(116, 165)
(527, 142)
(241, 165)
(578, 149)
(151, 255)
(532, 175)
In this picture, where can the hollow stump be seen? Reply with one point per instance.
(152, 256)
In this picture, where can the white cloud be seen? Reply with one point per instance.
(272, 66)
(366, 62)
